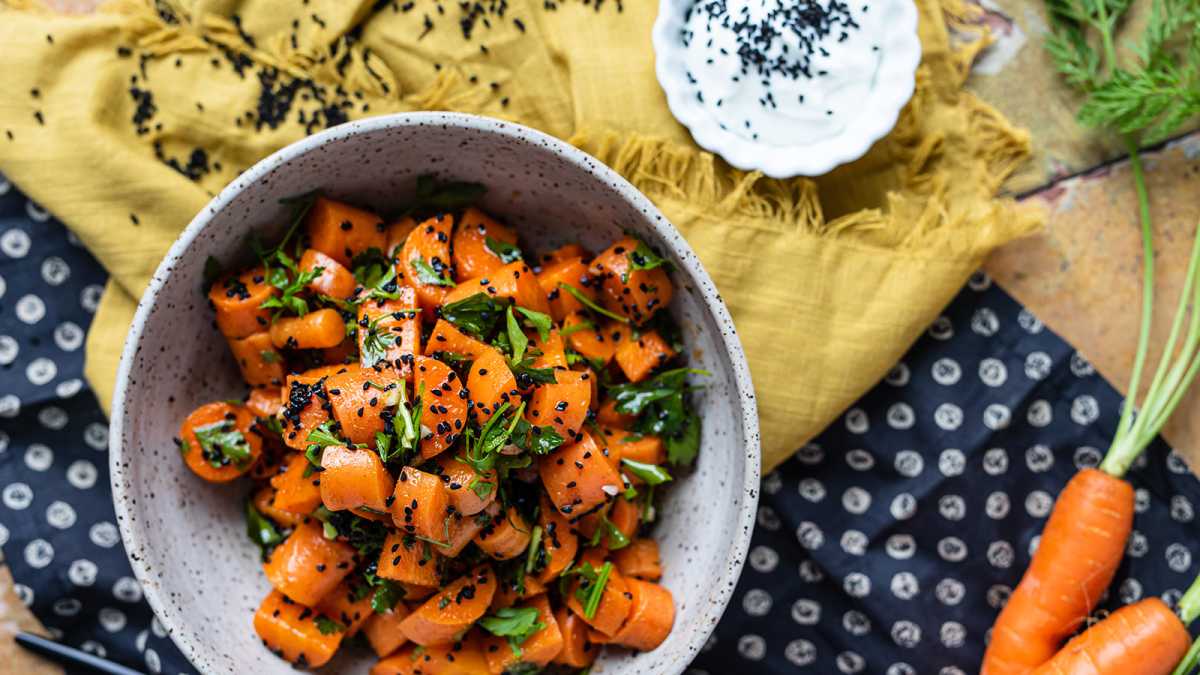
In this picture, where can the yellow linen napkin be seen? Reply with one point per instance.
(125, 122)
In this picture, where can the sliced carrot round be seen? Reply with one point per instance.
(426, 251)
(306, 566)
(354, 478)
(563, 405)
(334, 279)
(472, 256)
(316, 330)
(237, 301)
(506, 536)
(491, 384)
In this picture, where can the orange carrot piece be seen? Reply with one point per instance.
(597, 343)
(458, 477)
(1080, 549)
(256, 357)
(341, 231)
(651, 615)
(447, 338)
(472, 257)
(506, 536)
(578, 477)
(315, 330)
(553, 351)
(265, 401)
(563, 405)
(456, 658)
(306, 566)
(408, 560)
(639, 560)
(211, 462)
(634, 294)
(397, 320)
(358, 402)
(383, 630)
(514, 280)
(564, 252)
(334, 279)
(576, 651)
(295, 492)
(264, 502)
(419, 504)
(397, 232)
(491, 384)
(415, 592)
(638, 358)
(443, 403)
(615, 603)
(625, 516)
(427, 244)
(460, 531)
(508, 592)
(609, 417)
(1144, 638)
(237, 301)
(341, 606)
(558, 539)
(451, 610)
(571, 271)
(647, 449)
(539, 648)
(353, 478)
(306, 407)
(341, 354)
(290, 631)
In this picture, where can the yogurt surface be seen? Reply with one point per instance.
(784, 73)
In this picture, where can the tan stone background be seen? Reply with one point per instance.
(1081, 276)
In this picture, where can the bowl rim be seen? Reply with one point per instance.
(722, 586)
(895, 84)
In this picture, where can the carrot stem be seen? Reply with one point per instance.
(1189, 604)
(1125, 451)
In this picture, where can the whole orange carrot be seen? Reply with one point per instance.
(1145, 638)
(1079, 552)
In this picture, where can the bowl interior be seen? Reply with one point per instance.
(186, 538)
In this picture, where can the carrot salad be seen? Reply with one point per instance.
(455, 447)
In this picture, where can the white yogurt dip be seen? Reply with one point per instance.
(785, 73)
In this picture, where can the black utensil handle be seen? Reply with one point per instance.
(70, 655)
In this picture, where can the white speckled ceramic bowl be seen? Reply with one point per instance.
(186, 538)
(894, 85)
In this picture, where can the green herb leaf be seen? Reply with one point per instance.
(527, 375)
(475, 315)
(427, 275)
(585, 324)
(222, 444)
(643, 258)
(542, 323)
(591, 589)
(269, 356)
(515, 623)
(377, 341)
(505, 251)
(376, 274)
(482, 450)
(540, 440)
(616, 538)
(516, 336)
(387, 594)
(535, 542)
(650, 474)
(587, 302)
(261, 530)
(684, 445)
(328, 626)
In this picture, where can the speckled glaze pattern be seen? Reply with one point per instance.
(185, 538)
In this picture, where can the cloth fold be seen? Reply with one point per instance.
(126, 121)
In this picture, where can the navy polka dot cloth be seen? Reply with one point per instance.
(885, 546)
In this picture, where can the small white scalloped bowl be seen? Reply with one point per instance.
(895, 82)
(186, 539)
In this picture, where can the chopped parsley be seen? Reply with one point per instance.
(376, 342)
(650, 474)
(661, 408)
(517, 624)
(475, 315)
(516, 336)
(221, 444)
(542, 323)
(426, 274)
(505, 251)
(261, 530)
(643, 258)
(328, 626)
(290, 281)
